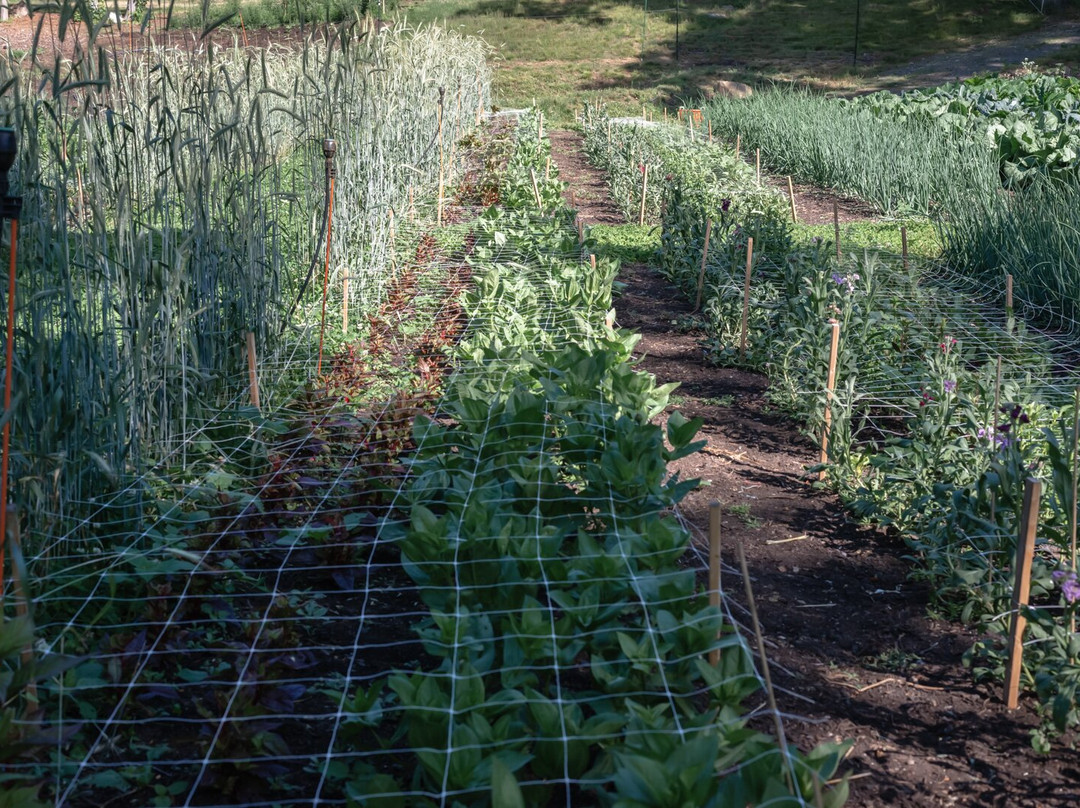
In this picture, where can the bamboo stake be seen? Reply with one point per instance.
(1025, 549)
(704, 258)
(644, 190)
(746, 297)
(903, 246)
(781, 737)
(536, 188)
(836, 227)
(830, 386)
(714, 569)
(253, 375)
(791, 195)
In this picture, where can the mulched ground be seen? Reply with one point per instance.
(850, 637)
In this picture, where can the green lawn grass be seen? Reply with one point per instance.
(564, 52)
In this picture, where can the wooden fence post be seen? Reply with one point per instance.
(830, 386)
(704, 258)
(1025, 550)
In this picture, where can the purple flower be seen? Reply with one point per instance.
(950, 385)
(837, 278)
(1070, 586)
(982, 432)
(1003, 441)
(725, 204)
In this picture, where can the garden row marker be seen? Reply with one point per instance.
(791, 193)
(704, 258)
(1025, 549)
(438, 215)
(714, 569)
(536, 189)
(644, 190)
(830, 385)
(769, 692)
(903, 245)
(746, 297)
(836, 227)
(757, 163)
(253, 376)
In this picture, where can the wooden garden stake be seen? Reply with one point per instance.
(580, 231)
(412, 209)
(479, 99)
(540, 127)
(439, 211)
(253, 375)
(746, 297)
(1025, 550)
(547, 168)
(791, 194)
(757, 164)
(830, 386)
(738, 145)
(903, 246)
(243, 31)
(665, 114)
(643, 116)
(993, 428)
(710, 131)
(704, 258)
(1075, 471)
(345, 301)
(644, 190)
(536, 188)
(714, 568)
(1009, 294)
(781, 737)
(22, 597)
(836, 227)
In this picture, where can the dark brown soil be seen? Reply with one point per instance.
(854, 649)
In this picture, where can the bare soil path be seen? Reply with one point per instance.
(849, 634)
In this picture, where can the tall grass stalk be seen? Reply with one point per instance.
(170, 205)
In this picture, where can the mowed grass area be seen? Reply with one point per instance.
(564, 52)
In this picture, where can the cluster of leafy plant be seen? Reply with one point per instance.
(569, 640)
(722, 186)
(1032, 122)
(942, 467)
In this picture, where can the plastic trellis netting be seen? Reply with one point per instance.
(307, 605)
